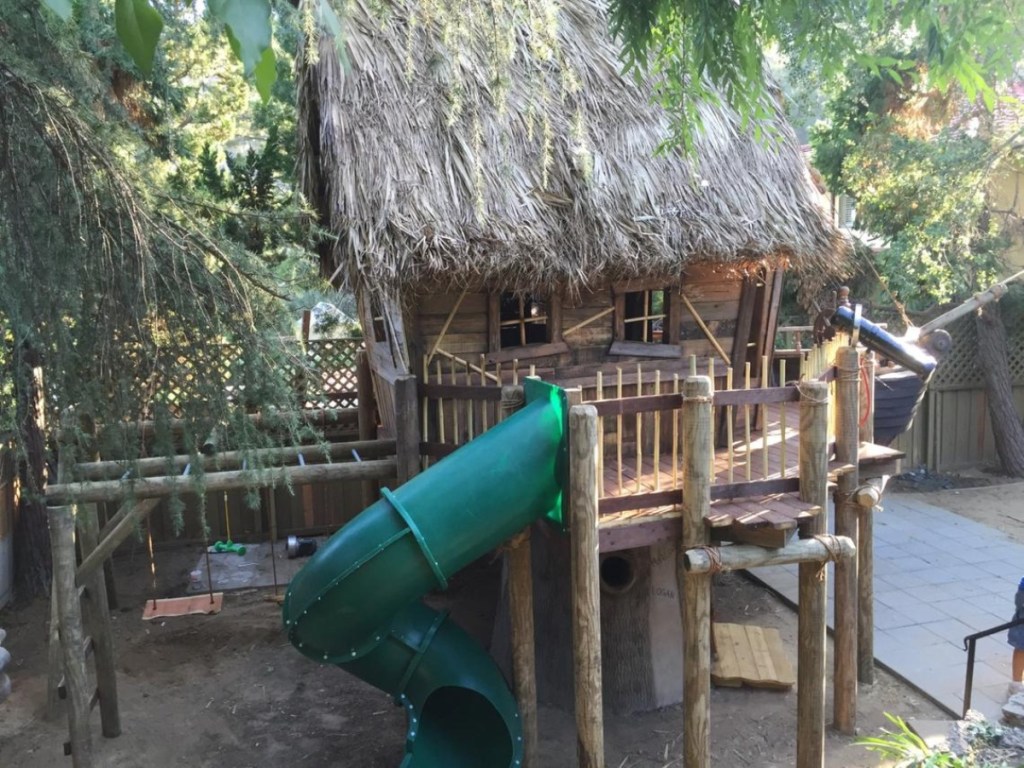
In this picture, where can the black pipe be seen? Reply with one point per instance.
(885, 344)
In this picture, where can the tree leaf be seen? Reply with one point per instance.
(138, 27)
(248, 23)
(61, 7)
(265, 73)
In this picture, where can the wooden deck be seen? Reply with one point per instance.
(755, 495)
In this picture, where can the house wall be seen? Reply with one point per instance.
(714, 293)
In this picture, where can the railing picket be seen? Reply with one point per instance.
(730, 456)
(746, 420)
(639, 430)
(657, 434)
(782, 417)
(599, 395)
(764, 419)
(618, 431)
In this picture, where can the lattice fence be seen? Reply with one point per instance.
(322, 371)
(960, 369)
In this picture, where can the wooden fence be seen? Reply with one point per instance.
(952, 430)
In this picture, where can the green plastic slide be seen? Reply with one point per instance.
(356, 602)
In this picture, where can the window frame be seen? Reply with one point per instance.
(552, 345)
(669, 345)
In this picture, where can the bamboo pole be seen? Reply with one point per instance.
(846, 524)
(784, 454)
(456, 433)
(495, 377)
(444, 328)
(707, 331)
(586, 590)
(639, 431)
(153, 487)
(676, 416)
(764, 419)
(813, 587)
(729, 438)
(657, 434)
(599, 395)
(520, 601)
(618, 430)
(485, 420)
(738, 557)
(746, 422)
(588, 321)
(695, 588)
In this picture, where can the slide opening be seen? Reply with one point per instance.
(460, 728)
(617, 574)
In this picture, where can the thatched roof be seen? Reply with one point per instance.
(429, 169)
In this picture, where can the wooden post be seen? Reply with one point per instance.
(99, 626)
(586, 589)
(846, 524)
(696, 588)
(69, 619)
(866, 545)
(520, 601)
(813, 595)
(367, 414)
(407, 428)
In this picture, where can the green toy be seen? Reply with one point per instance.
(355, 603)
(229, 546)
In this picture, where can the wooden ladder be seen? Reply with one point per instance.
(80, 628)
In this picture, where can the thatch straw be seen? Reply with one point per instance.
(432, 169)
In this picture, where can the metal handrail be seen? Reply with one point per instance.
(969, 643)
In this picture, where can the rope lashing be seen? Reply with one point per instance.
(831, 545)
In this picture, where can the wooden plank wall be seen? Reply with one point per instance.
(714, 294)
(952, 430)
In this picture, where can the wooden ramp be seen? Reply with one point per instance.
(753, 656)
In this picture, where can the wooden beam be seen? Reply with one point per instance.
(739, 557)
(846, 634)
(153, 487)
(518, 560)
(588, 321)
(444, 328)
(813, 587)
(695, 588)
(367, 417)
(407, 428)
(645, 349)
(528, 352)
(97, 612)
(586, 587)
(117, 529)
(748, 295)
(108, 470)
(704, 328)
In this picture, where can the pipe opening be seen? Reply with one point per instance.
(618, 574)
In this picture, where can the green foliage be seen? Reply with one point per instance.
(908, 748)
(139, 27)
(702, 49)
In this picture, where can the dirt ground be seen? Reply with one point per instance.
(230, 691)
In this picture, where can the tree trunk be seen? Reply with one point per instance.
(1007, 429)
(32, 564)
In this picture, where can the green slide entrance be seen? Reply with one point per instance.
(356, 603)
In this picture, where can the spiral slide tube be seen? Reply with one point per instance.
(356, 603)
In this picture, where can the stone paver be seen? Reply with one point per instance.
(938, 577)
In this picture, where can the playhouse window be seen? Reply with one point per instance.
(523, 321)
(644, 315)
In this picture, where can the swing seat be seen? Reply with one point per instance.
(183, 606)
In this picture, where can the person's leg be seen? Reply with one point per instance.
(1018, 665)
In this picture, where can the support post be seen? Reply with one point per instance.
(695, 588)
(520, 600)
(407, 428)
(813, 586)
(98, 613)
(586, 590)
(846, 524)
(366, 414)
(866, 543)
